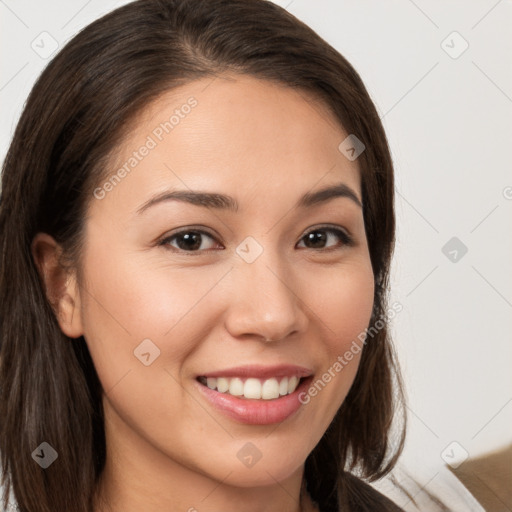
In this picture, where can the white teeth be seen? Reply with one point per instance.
(283, 386)
(268, 389)
(236, 387)
(252, 388)
(292, 384)
(222, 384)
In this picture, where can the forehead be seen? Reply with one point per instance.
(234, 133)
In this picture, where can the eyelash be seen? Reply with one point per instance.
(347, 240)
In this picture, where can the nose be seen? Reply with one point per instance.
(266, 300)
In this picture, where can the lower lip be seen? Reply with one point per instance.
(256, 412)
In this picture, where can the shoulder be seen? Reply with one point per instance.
(429, 489)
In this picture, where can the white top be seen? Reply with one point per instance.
(419, 489)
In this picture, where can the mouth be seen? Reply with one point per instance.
(253, 388)
(256, 395)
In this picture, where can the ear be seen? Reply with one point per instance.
(60, 285)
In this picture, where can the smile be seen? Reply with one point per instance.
(256, 395)
(259, 389)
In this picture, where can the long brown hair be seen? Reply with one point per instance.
(73, 121)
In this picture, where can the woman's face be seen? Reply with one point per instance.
(179, 294)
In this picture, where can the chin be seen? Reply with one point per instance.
(263, 474)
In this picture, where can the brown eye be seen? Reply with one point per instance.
(190, 241)
(319, 238)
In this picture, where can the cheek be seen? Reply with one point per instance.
(128, 304)
(343, 301)
(127, 301)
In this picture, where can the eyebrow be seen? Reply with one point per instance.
(224, 202)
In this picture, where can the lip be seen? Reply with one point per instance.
(252, 411)
(262, 372)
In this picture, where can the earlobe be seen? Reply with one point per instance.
(60, 285)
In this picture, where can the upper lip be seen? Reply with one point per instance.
(261, 372)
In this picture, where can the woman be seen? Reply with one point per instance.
(197, 224)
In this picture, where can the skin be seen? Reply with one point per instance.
(265, 145)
